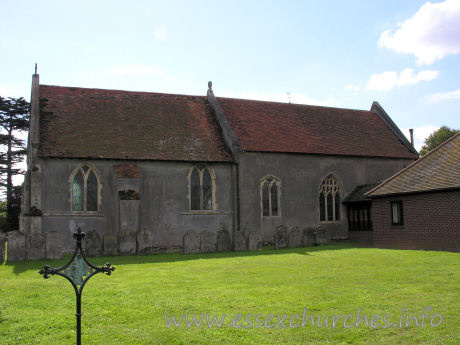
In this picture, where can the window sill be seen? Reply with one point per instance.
(266, 217)
(397, 226)
(205, 213)
(75, 214)
(330, 222)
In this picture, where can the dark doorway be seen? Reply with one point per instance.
(359, 216)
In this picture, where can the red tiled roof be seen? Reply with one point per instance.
(285, 127)
(96, 123)
(438, 169)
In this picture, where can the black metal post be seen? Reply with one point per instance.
(77, 271)
(78, 315)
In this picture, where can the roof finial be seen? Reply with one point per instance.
(210, 85)
(35, 68)
(411, 131)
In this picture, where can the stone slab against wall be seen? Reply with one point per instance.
(309, 238)
(295, 237)
(191, 242)
(224, 242)
(281, 237)
(35, 246)
(144, 241)
(93, 243)
(208, 242)
(16, 246)
(254, 240)
(127, 242)
(110, 244)
(321, 236)
(239, 241)
(2, 248)
(53, 245)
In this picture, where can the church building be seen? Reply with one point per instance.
(163, 164)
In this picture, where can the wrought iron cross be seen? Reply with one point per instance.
(77, 271)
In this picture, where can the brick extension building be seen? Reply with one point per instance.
(419, 207)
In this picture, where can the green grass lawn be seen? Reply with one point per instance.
(129, 306)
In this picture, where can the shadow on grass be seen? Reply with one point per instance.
(20, 267)
(269, 250)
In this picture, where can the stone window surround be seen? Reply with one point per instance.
(200, 168)
(99, 189)
(271, 180)
(329, 187)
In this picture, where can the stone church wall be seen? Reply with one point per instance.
(152, 203)
(301, 177)
(162, 211)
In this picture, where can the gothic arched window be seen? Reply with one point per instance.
(84, 189)
(329, 200)
(202, 188)
(270, 196)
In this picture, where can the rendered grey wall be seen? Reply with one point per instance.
(163, 208)
(301, 177)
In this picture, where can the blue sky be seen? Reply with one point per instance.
(403, 54)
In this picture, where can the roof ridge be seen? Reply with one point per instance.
(410, 166)
(122, 91)
(294, 104)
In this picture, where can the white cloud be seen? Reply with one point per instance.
(160, 33)
(353, 88)
(432, 33)
(387, 80)
(382, 81)
(280, 97)
(136, 70)
(420, 134)
(443, 96)
(407, 76)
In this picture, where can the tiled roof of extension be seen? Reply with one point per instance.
(359, 193)
(112, 124)
(437, 170)
(284, 127)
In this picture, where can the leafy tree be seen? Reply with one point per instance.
(12, 218)
(14, 117)
(437, 138)
(3, 224)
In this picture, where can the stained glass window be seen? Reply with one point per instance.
(195, 190)
(322, 207)
(274, 198)
(265, 200)
(330, 211)
(91, 192)
(201, 188)
(207, 190)
(77, 192)
(85, 190)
